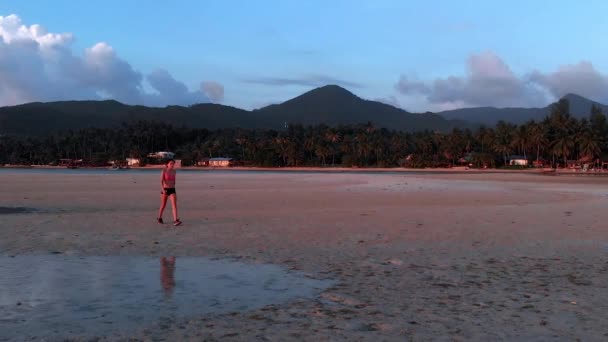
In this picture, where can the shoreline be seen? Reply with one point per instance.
(316, 169)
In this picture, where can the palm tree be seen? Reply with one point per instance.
(455, 144)
(537, 137)
(587, 140)
(589, 145)
(562, 146)
(378, 146)
(521, 139)
(281, 146)
(503, 140)
(485, 136)
(310, 141)
(333, 136)
(599, 126)
(322, 151)
(363, 145)
(242, 142)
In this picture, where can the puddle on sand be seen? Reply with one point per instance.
(15, 210)
(57, 296)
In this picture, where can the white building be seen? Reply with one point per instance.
(133, 161)
(220, 162)
(162, 155)
(518, 161)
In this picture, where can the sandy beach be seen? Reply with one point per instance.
(416, 257)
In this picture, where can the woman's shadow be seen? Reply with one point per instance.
(167, 274)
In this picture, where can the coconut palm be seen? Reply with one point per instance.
(333, 137)
(537, 137)
(503, 139)
(521, 139)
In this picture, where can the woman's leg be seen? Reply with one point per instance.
(163, 203)
(174, 205)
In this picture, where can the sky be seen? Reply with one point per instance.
(417, 55)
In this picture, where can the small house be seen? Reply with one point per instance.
(161, 155)
(133, 161)
(220, 162)
(516, 160)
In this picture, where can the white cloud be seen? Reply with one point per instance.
(582, 79)
(407, 86)
(213, 90)
(489, 81)
(170, 91)
(36, 65)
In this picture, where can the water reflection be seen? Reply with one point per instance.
(167, 274)
(56, 297)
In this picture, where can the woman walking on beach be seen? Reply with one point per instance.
(167, 190)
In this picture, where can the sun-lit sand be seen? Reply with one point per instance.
(415, 257)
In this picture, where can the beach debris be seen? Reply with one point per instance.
(395, 262)
(368, 327)
(446, 285)
(340, 299)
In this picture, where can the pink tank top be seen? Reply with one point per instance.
(169, 176)
(169, 179)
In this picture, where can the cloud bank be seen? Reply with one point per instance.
(36, 65)
(489, 81)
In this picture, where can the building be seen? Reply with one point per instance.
(71, 163)
(220, 162)
(515, 160)
(161, 155)
(133, 162)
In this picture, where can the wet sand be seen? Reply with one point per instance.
(415, 257)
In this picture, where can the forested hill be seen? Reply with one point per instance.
(330, 105)
(580, 107)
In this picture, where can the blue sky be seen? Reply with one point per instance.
(268, 51)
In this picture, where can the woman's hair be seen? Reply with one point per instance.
(168, 161)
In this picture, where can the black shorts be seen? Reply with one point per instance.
(170, 191)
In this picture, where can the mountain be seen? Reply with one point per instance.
(45, 118)
(333, 105)
(329, 105)
(580, 107)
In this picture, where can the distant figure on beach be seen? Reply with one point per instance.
(167, 274)
(167, 190)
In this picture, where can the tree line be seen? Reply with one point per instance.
(555, 140)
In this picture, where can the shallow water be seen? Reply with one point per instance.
(58, 296)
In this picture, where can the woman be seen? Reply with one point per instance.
(167, 190)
